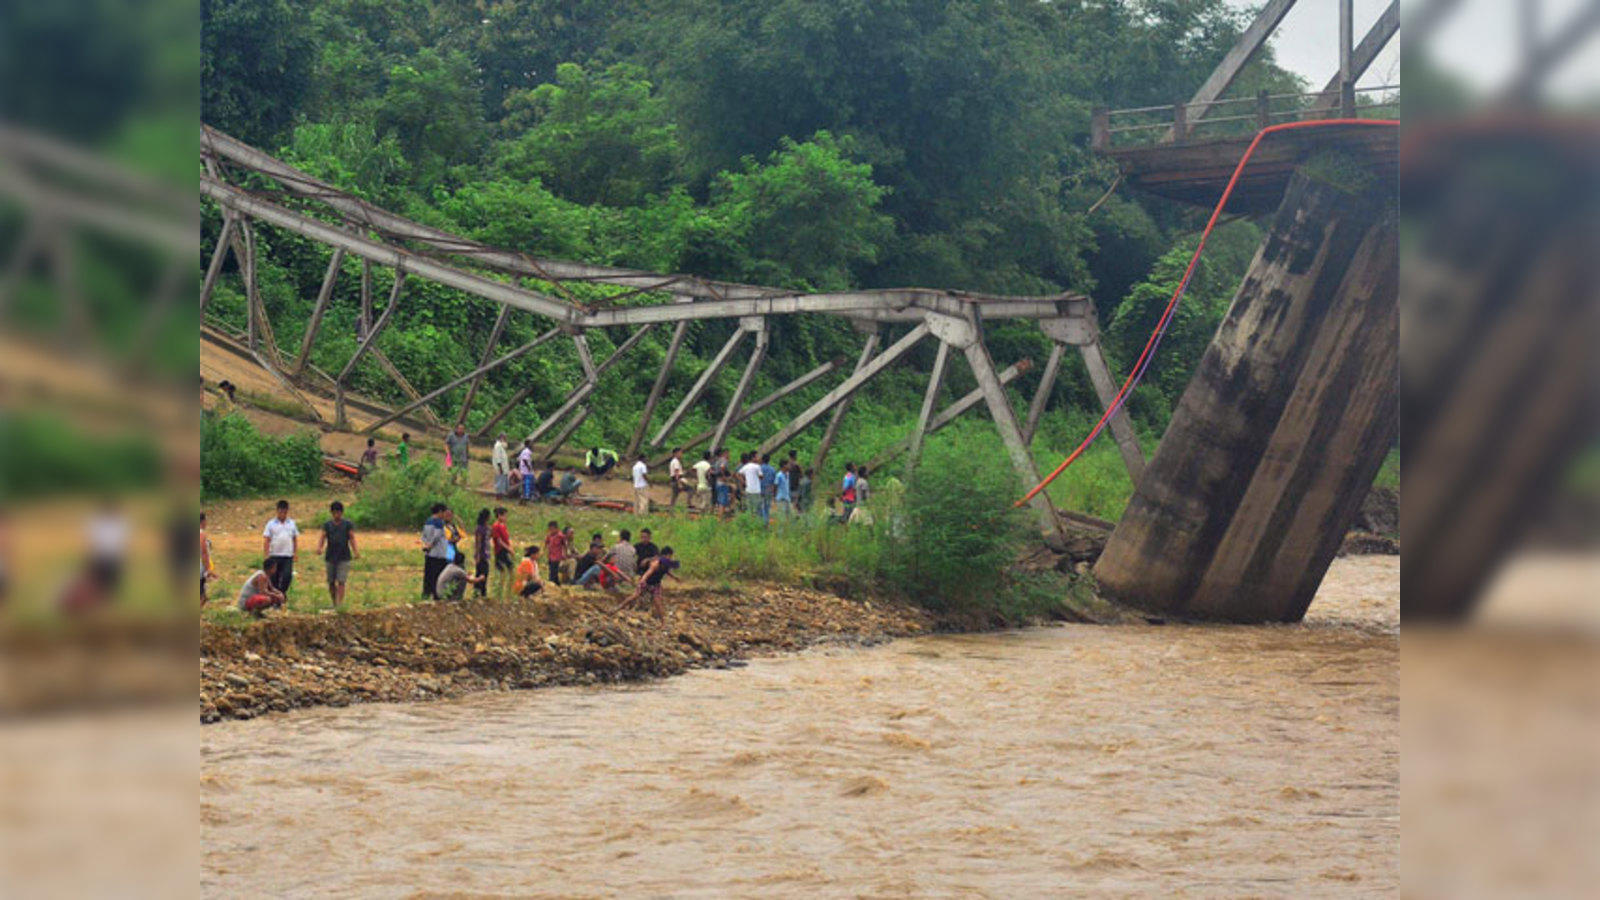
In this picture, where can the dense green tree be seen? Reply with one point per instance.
(255, 66)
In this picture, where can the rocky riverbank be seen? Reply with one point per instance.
(432, 650)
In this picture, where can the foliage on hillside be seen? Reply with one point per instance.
(802, 143)
(237, 460)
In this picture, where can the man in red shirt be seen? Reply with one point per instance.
(500, 539)
(555, 550)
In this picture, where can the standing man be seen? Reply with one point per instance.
(337, 546)
(680, 485)
(459, 447)
(502, 466)
(641, 487)
(702, 486)
(555, 550)
(781, 493)
(435, 548)
(279, 541)
(501, 537)
(769, 485)
(525, 469)
(402, 451)
(751, 473)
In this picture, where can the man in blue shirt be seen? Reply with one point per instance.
(780, 494)
(769, 481)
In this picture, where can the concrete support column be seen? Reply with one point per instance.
(1278, 436)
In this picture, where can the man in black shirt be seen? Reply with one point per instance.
(338, 547)
(646, 548)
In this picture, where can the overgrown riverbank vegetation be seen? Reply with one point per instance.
(803, 144)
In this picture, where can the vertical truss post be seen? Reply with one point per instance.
(874, 338)
(949, 414)
(658, 388)
(1347, 82)
(488, 354)
(323, 296)
(364, 321)
(1047, 384)
(700, 385)
(377, 328)
(965, 334)
(1121, 427)
(757, 354)
(1078, 329)
(214, 270)
(929, 398)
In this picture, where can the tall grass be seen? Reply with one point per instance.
(237, 460)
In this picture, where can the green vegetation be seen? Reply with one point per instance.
(399, 497)
(799, 143)
(236, 460)
(41, 453)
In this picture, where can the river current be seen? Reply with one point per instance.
(1150, 760)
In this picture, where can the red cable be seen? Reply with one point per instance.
(1137, 372)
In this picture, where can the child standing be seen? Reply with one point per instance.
(337, 546)
(500, 536)
(555, 550)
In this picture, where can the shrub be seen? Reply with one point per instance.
(236, 460)
(40, 454)
(955, 534)
(396, 496)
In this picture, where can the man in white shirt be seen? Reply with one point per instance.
(279, 541)
(680, 485)
(641, 487)
(751, 473)
(702, 484)
(502, 467)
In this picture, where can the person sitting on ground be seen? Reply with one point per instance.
(590, 557)
(453, 581)
(620, 562)
(660, 567)
(258, 593)
(567, 491)
(369, 458)
(528, 581)
(599, 460)
(646, 547)
(545, 485)
(500, 537)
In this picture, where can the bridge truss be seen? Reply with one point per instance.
(255, 190)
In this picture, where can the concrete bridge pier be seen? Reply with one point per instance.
(1286, 421)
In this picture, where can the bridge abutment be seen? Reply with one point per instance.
(1287, 419)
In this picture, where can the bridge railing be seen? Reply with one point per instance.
(1232, 117)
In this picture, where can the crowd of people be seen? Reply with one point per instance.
(711, 485)
(643, 566)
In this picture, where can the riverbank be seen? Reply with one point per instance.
(427, 651)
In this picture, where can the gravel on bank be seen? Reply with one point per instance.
(431, 650)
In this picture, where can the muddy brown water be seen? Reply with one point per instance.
(1174, 760)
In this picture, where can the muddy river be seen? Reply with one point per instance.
(1204, 761)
